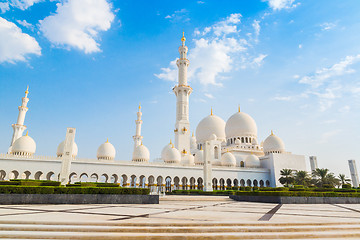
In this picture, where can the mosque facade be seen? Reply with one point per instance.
(236, 156)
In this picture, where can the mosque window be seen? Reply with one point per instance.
(216, 152)
(242, 140)
(250, 140)
(246, 140)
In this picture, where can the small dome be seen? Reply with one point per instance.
(188, 159)
(240, 124)
(211, 124)
(141, 154)
(237, 142)
(273, 144)
(170, 154)
(24, 145)
(199, 158)
(60, 149)
(228, 159)
(106, 151)
(252, 161)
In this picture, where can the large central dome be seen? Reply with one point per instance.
(240, 124)
(210, 125)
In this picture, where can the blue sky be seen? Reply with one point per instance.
(293, 65)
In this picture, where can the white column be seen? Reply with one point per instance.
(354, 173)
(182, 92)
(313, 163)
(19, 126)
(138, 138)
(208, 159)
(67, 156)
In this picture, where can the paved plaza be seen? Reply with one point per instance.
(181, 217)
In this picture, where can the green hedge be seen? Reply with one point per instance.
(30, 182)
(299, 194)
(11, 189)
(200, 192)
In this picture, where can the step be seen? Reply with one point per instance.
(92, 235)
(179, 229)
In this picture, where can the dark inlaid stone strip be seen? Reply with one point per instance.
(351, 209)
(270, 213)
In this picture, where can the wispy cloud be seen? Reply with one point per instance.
(208, 95)
(281, 4)
(179, 16)
(338, 69)
(217, 49)
(327, 26)
(24, 23)
(325, 137)
(258, 61)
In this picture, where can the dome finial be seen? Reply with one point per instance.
(139, 107)
(107, 140)
(27, 90)
(27, 133)
(239, 108)
(211, 111)
(201, 147)
(183, 37)
(272, 133)
(192, 134)
(170, 142)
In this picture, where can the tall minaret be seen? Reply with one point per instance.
(182, 92)
(137, 138)
(19, 127)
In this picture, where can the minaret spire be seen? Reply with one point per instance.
(182, 92)
(19, 126)
(138, 138)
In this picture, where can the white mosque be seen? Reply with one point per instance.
(237, 157)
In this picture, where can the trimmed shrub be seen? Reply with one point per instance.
(9, 183)
(70, 190)
(255, 188)
(346, 186)
(107, 184)
(276, 189)
(298, 186)
(248, 189)
(328, 186)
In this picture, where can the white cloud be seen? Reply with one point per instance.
(345, 109)
(300, 46)
(256, 26)
(286, 99)
(14, 44)
(281, 4)
(77, 24)
(258, 61)
(296, 76)
(4, 6)
(320, 76)
(327, 26)
(25, 24)
(170, 73)
(200, 2)
(325, 137)
(179, 16)
(217, 50)
(23, 4)
(208, 95)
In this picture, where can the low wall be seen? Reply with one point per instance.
(297, 200)
(77, 199)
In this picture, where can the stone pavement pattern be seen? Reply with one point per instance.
(181, 217)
